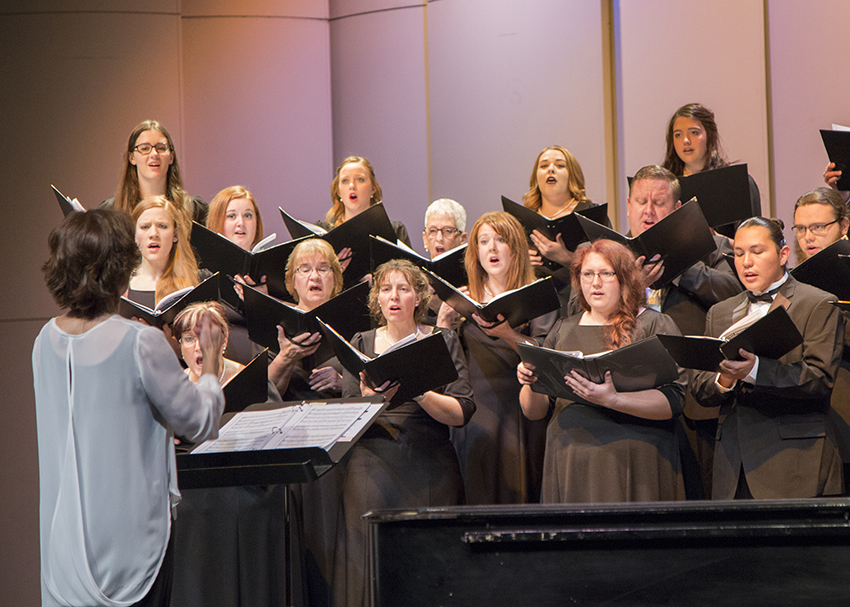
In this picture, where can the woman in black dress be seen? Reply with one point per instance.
(622, 447)
(405, 459)
(500, 451)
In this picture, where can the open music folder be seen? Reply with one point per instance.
(837, 144)
(517, 306)
(449, 265)
(771, 336)
(353, 233)
(642, 365)
(68, 205)
(682, 239)
(218, 254)
(567, 226)
(827, 270)
(172, 304)
(723, 194)
(419, 365)
(348, 312)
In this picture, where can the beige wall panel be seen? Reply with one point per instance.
(310, 9)
(257, 111)
(19, 558)
(74, 86)
(378, 64)
(500, 93)
(674, 53)
(807, 49)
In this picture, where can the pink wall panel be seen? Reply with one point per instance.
(378, 63)
(505, 84)
(674, 53)
(808, 48)
(309, 9)
(256, 98)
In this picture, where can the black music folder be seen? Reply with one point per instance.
(518, 306)
(353, 234)
(567, 226)
(67, 205)
(642, 365)
(771, 336)
(419, 365)
(171, 305)
(827, 270)
(218, 254)
(682, 239)
(449, 265)
(723, 194)
(837, 144)
(348, 313)
(249, 386)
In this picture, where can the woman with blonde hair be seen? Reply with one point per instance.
(500, 452)
(613, 447)
(168, 262)
(353, 190)
(405, 459)
(150, 169)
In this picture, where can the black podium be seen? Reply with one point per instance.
(271, 467)
(752, 553)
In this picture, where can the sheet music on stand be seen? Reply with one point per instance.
(303, 425)
(272, 444)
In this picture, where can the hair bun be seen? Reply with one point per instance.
(778, 222)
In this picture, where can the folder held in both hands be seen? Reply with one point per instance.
(771, 336)
(642, 365)
(419, 365)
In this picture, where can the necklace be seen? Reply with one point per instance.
(567, 205)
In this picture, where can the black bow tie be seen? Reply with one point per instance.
(764, 297)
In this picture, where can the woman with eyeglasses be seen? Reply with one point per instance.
(500, 452)
(226, 534)
(150, 168)
(623, 447)
(821, 217)
(774, 438)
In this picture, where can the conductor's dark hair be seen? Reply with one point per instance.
(774, 226)
(92, 255)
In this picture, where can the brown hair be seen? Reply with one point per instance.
(182, 269)
(575, 181)
(774, 227)
(189, 316)
(505, 225)
(92, 255)
(414, 277)
(826, 197)
(632, 293)
(128, 194)
(653, 172)
(312, 246)
(218, 210)
(714, 151)
(337, 211)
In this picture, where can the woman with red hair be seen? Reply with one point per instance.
(622, 447)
